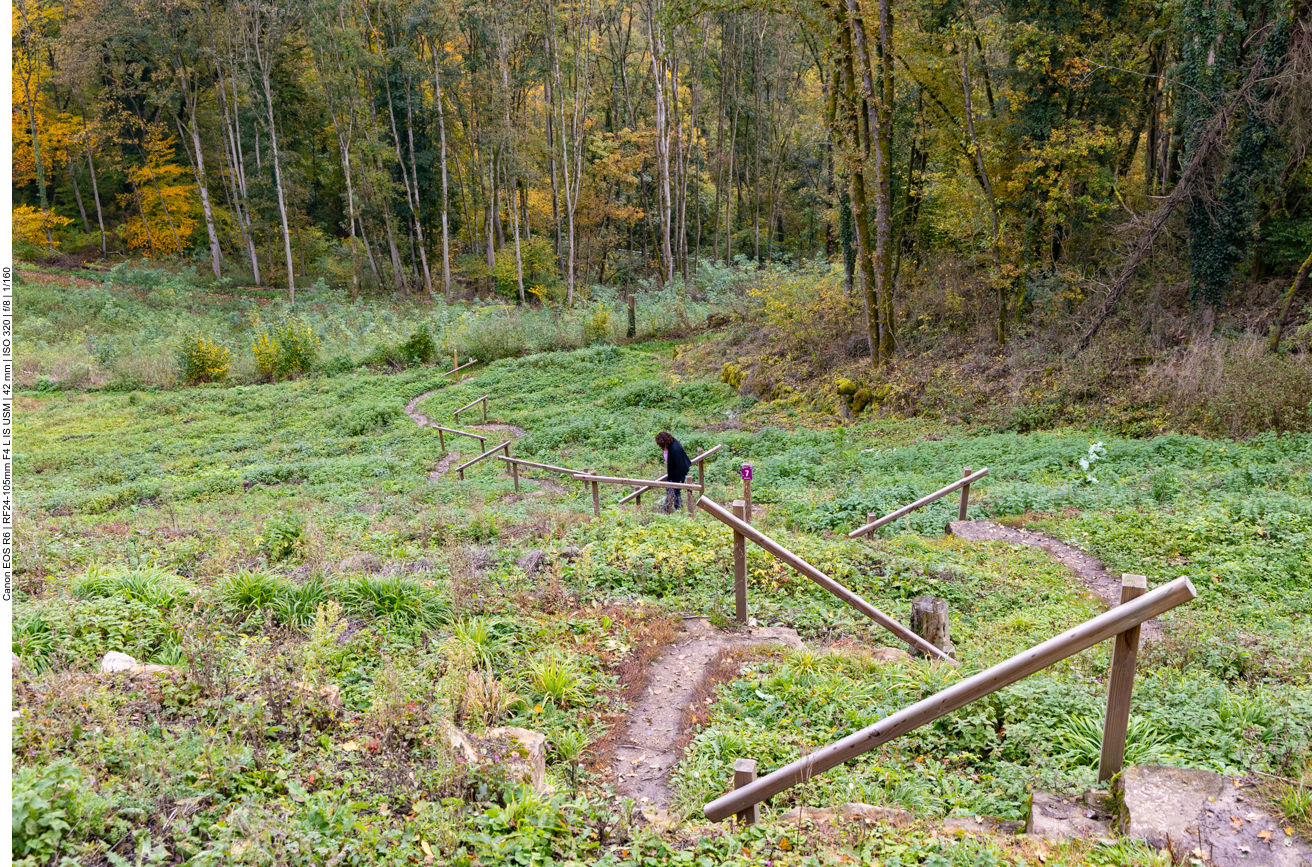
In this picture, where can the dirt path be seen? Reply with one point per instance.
(646, 755)
(412, 409)
(1089, 569)
(444, 466)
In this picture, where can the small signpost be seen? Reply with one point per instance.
(747, 492)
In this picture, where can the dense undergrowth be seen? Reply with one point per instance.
(330, 610)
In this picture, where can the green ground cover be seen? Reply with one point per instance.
(273, 540)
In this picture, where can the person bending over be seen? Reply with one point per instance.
(676, 466)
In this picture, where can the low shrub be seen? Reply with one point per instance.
(404, 601)
(288, 349)
(201, 360)
(45, 803)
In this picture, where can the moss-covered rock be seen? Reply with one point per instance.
(846, 387)
(731, 374)
(862, 399)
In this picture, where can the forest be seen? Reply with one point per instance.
(1007, 166)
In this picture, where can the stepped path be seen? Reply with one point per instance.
(1089, 569)
(647, 752)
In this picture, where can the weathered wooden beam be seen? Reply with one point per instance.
(504, 446)
(922, 502)
(698, 461)
(646, 483)
(824, 580)
(957, 696)
(739, 566)
(537, 466)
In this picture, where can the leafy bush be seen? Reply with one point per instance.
(282, 536)
(597, 326)
(288, 349)
(201, 360)
(45, 802)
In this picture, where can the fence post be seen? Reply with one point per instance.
(744, 772)
(637, 502)
(514, 472)
(701, 474)
(747, 500)
(633, 317)
(739, 565)
(442, 440)
(692, 505)
(870, 517)
(1120, 686)
(965, 496)
(596, 501)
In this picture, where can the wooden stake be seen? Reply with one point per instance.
(485, 409)
(1120, 686)
(965, 496)
(744, 772)
(739, 566)
(514, 472)
(747, 500)
(441, 438)
(596, 501)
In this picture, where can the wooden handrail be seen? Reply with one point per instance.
(823, 580)
(611, 480)
(461, 469)
(641, 491)
(468, 363)
(1125, 616)
(701, 458)
(482, 440)
(923, 501)
(524, 463)
(472, 403)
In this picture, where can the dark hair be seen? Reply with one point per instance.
(663, 439)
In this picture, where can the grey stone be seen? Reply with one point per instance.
(1207, 817)
(114, 662)
(1055, 819)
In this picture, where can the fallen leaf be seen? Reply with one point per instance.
(423, 844)
(785, 844)
(1264, 836)
(350, 746)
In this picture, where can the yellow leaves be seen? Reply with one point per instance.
(36, 226)
(164, 198)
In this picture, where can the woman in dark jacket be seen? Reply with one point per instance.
(676, 465)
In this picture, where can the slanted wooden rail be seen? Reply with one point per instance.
(472, 403)
(516, 463)
(963, 483)
(459, 367)
(699, 462)
(745, 529)
(1120, 620)
(643, 483)
(482, 440)
(505, 446)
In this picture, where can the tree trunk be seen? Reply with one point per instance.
(1289, 297)
(441, 132)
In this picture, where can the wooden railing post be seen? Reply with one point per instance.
(744, 772)
(485, 409)
(441, 439)
(965, 495)
(692, 502)
(871, 517)
(747, 499)
(1120, 686)
(596, 501)
(514, 472)
(739, 565)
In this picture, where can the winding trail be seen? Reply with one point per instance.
(1090, 570)
(646, 753)
(412, 408)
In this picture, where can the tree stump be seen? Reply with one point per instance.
(929, 620)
